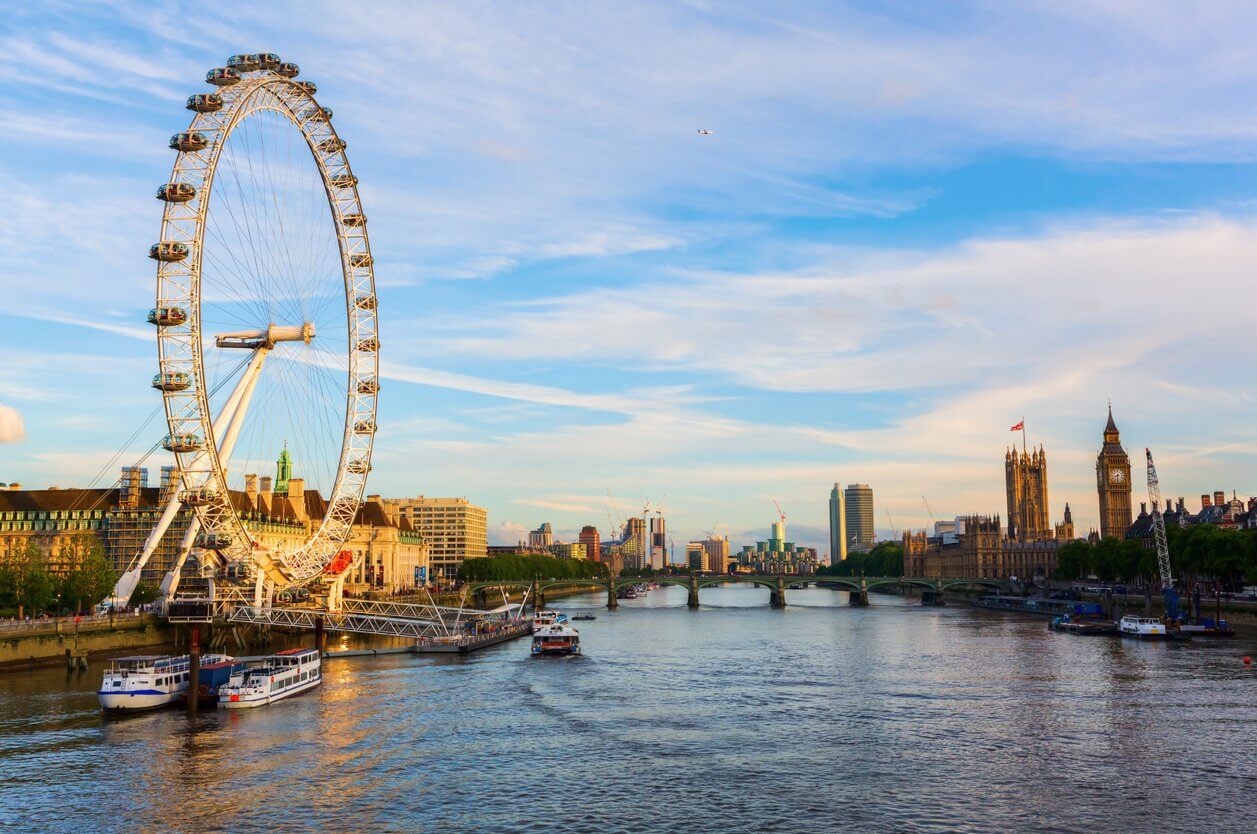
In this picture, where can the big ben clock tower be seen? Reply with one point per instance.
(1113, 484)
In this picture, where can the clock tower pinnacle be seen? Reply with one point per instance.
(1113, 483)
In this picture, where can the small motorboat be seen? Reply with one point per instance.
(556, 639)
(584, 617)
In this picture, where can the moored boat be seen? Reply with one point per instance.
(546, 617)
(1145, 628)
(144, 682)
(272, 678)
(556, 639)
(213, 675)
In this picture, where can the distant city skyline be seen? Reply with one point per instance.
(881, 257)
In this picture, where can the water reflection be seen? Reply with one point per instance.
(732, 718)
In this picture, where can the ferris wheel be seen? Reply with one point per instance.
(266, 322)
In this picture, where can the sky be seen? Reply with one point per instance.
(911, 226)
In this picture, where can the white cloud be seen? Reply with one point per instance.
(12, 430)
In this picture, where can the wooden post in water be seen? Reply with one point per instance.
(692, 601)
(194, 670)
(612, 602)
(319, 638)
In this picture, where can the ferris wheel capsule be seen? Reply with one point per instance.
(222, 77)
(365, 302)
(267, 60)
(360, 259)
(205, 102)
(167, 316)
(177, 381)
(369, 386)
(332, 145)
(169, 251)
(354, 221)
(318, 114)
(213, 541)
(190, 141)
(243, 63)
(288, 70)
(343, 181)
(184, 442)
(198, 497)
(364, 427)
(308, 86)
(369, 345)
(176, 192)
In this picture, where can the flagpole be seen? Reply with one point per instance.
(1023, 435)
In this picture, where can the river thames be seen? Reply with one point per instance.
(732, 718)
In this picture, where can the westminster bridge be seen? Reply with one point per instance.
(932, 589)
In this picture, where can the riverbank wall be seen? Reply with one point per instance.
(39, 644)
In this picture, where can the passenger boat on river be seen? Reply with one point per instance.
(556, 639)
(272, 679)
(144, 682)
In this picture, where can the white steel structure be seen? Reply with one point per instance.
(263, 252)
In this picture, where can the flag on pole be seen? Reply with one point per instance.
(1019, 426)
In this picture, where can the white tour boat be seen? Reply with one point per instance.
(546, 618)
(1147, 628)
(557, 638)
(131, 684)
(271, 679)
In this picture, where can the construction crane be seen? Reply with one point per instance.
(780, 512)
(711, 534)
(894, 534)
(1163, 549)
(933, 520)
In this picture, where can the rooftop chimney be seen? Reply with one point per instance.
(1143, 508)
(297, 496)
(265, 493)
(1219, 498)
(1205, 502)
(251, 489)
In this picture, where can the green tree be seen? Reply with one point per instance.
(144, 593)
(516, 566)
(25, 584)
(90, 578)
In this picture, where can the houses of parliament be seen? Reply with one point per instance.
(981, 546)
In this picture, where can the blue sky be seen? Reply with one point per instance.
(913, 225)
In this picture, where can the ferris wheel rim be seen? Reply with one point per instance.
(201, 470)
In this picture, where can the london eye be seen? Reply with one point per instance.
(266, 328)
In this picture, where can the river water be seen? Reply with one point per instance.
(732, 718)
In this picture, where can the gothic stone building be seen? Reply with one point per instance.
(981, 551)
(1025, 483)
(1113, 484)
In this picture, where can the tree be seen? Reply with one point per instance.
(514, 566)
(885, 559)
(25, 584)
(90, 578)
(144, 593)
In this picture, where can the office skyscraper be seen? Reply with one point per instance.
(859, 515)
(837, 525)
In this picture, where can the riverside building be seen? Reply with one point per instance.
(858, 511)
(837, 525)
(454, 528)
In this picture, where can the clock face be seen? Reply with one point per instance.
(1117, 476)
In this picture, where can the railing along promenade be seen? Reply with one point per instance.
(67, 625)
